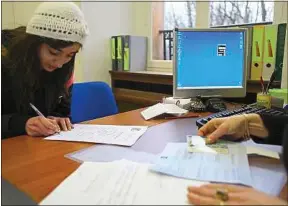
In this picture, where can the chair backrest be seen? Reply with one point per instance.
(91, 100)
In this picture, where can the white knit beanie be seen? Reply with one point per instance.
(59, 20)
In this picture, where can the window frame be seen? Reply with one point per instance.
(203, 21)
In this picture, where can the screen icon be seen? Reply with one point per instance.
(221, 50)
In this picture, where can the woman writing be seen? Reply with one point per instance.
(268, 129)
(38, 64)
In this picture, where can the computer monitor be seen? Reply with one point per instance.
(210, 62)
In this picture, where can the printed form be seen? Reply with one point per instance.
(105, 134)
(119, 183)
(230, 166)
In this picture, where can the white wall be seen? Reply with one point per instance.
(142, 22)
(23, 12)
(104, 19)
(8, 20)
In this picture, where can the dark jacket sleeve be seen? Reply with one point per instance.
(285, 148)
(275, 126)
(12, 122)
(63, 107)
(13, 125)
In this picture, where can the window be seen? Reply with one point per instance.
(240, 12)
(179, 14)
(168, 15)
(174, 14)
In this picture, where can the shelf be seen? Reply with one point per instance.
(137, 97)
(145, 77)
(166, 78)
(146, 88)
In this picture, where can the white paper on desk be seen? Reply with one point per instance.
(108, 153)
(270, 180)
(119, 183)
(153, 111)
(105, 134)
(174, 109)
(226, 168)
(262, 149)
(262, 152)
(220, 147)
(160, 108)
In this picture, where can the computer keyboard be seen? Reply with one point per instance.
(247, 109)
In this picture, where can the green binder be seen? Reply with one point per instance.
(280, 50)
(126, 40)
(113, 52)
(120, 53)
(269, 50)
(257, 52)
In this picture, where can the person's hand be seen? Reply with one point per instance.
(41, 126)
(218, 127)
(237, 126)
(64, 123)
(237, 195)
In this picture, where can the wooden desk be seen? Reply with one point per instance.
(36, 166)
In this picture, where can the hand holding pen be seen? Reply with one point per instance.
(40, 125)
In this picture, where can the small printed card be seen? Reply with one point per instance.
(198, 144)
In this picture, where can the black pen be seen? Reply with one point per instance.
(39, 113)
(272, 78)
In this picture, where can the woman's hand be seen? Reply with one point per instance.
(237, 195)
(237, 126)
(64, 123)
(41, 126)
(218, 127)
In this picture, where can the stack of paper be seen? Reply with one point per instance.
(105, 134)
(177, 160)
(119, 183)
(225, 167)
(263, 149)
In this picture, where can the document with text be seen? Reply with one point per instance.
(119, 183)
(231, 166)
(104, 134)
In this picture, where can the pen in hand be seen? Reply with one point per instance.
(36, 110)
(41, 115)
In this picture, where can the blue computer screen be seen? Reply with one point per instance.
(210, 59)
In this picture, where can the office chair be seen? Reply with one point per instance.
(91, 100)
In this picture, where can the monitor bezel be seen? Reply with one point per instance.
(209, 92)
